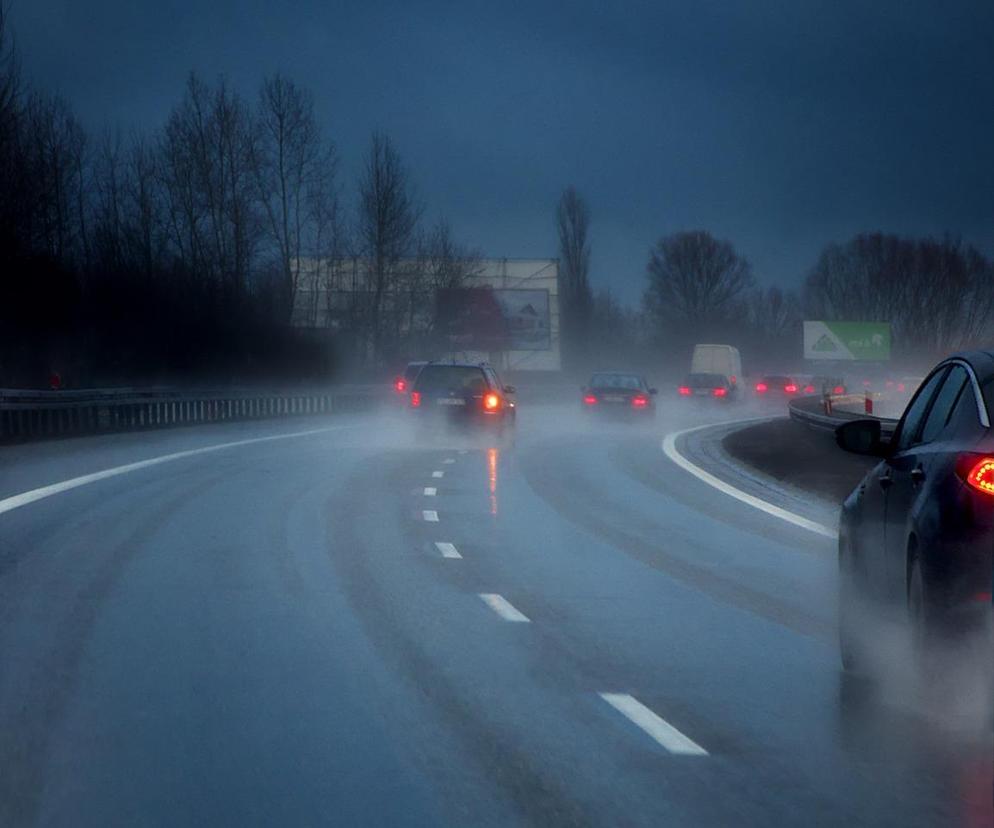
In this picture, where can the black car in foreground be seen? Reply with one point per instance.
(462, 393)
(618, 393)
(917, 534)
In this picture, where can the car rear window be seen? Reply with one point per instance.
(777, 381)
(412, 370)
(627, 381)
(705, 380)
(442, 378)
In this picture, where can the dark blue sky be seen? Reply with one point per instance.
(778, 125)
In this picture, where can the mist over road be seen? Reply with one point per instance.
(333, 622)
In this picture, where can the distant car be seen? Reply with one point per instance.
(777, 386)
(825, 384)
(462, 393)
(707, 386)
(403, 383)
(619, 393)
(917, 534)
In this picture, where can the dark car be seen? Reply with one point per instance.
(403, 383)
(462, 393)
(916, 536)
(778, 386)
(619, 393)
(707, 386)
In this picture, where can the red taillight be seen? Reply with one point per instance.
(684, 391)
(400, 385)
(790, 389)
(491, 402)
(900, 386)
(762, 388)
(640, 402)
(839, 389)
(589, 399)
(733, 379)
(809, 389)
(977, 471)
(720, 392)
(415, 399)
(982, 597)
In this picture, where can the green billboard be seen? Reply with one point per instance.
(847, 340)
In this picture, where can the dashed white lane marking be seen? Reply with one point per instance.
(430, 491)
(464, 451)
(438, 474)
(503, 608)
(448, 550)
(670, 449)
(430, 515)
(448, 461)
(8, 504)
(659, 729)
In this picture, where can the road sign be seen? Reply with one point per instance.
(847, 340)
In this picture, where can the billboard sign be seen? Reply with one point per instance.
(847, 340)
(485, 319)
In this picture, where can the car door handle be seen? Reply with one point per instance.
(917, 475)
(885, 481)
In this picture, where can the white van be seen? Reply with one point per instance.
(718, 359)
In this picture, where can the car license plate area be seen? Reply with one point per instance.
(450, 401)
(613, 398)
(702, 392)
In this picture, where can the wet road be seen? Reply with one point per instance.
(344, 627)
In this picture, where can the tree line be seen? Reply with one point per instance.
(179, 254)
(937, 294)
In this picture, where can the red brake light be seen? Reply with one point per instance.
(589, 399)
(977, 471)
(720, 392)
(839, 389)
(733, 379)
(491, 402)
(640, 401)
(400, 384)
(415, 399)
(809, 389)
(900, 386)
(790, 388)
(684, 391)
(762, 388)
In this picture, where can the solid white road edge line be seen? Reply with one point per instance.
(438, 474)
(430, 491)
(430, 515)
(659, 729)
(8, 504)
(447, 549)
(500, 605)
(670, 449)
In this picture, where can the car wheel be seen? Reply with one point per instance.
(850, 593)
(921, 617)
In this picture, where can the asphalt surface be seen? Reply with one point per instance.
(347, 627)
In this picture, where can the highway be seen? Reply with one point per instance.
(324, 621)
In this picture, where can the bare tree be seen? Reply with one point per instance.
(575, 299)
(695, 280)
(388, 216)
(295, 173)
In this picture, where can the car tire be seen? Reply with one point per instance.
(922, 617)
(851, 646)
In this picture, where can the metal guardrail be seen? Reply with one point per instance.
(811, 412)
(33, 415)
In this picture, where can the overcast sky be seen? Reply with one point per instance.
(777, 125)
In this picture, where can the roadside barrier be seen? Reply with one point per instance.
(824, 414)
(34, 415)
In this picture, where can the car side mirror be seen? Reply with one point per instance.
(653, 390)
(861, 437)
(509, 389)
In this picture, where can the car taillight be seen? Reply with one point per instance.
(415, 399)
(684, 391)
(400, 385)
(589, 399)
(839, 390)
(762, 388)
(900, 386)
(977, 471)
(733, 379)
(491, 402)
(720, 392)
(809, 389)
(640, 401)
(790, 388)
